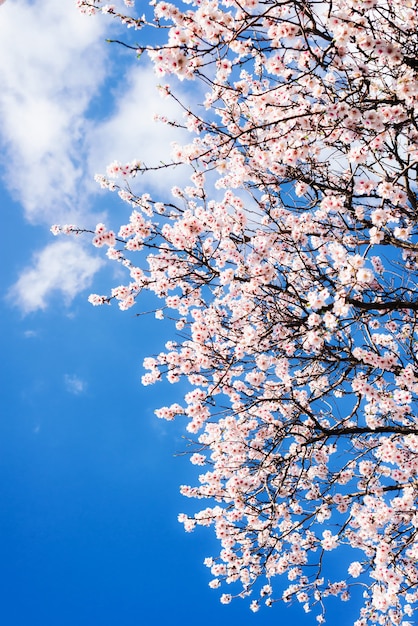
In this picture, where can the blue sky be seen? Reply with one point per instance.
(89, 476)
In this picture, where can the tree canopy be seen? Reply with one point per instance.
(289, 266)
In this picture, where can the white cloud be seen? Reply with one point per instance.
(30, 334)
(74, 384)
(51, 66)
(53, 63)
(132, 133)
(62, 266)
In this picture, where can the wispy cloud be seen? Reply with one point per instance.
(30, 334)
(63, 266)
(74, 384)
(131, 132)
(51, 66)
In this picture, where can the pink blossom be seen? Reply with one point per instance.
(286, 267)
(355, 569)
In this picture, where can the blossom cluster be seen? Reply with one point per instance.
(289, 266)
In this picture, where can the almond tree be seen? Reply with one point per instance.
(289, 265)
